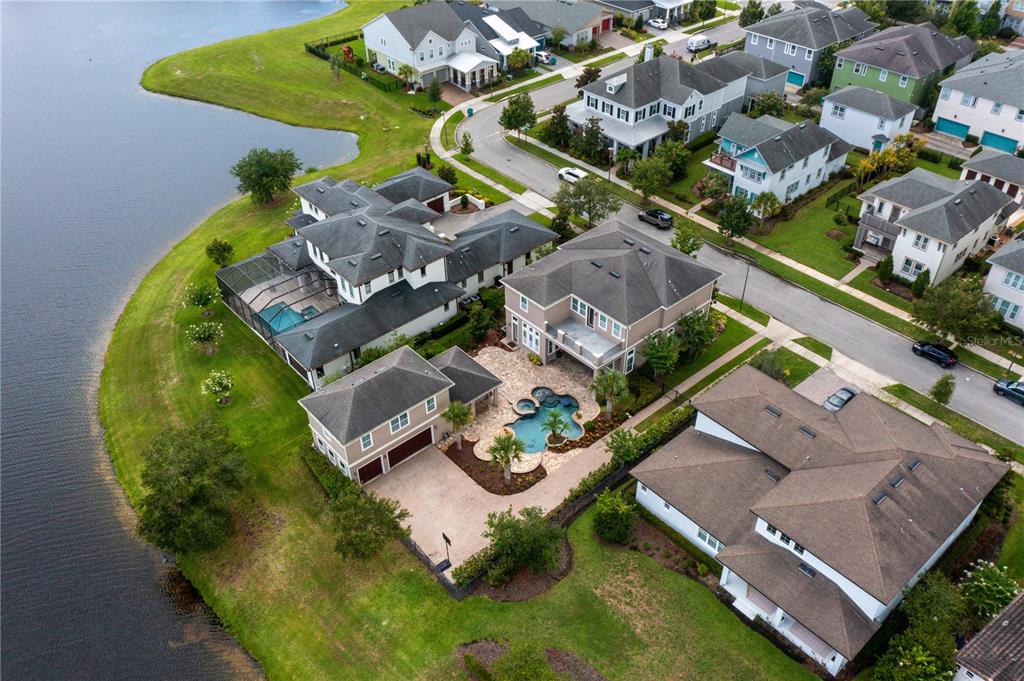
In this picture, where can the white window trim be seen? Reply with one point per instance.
(431, 404)
(770, 44)
(364, 444)
(883, 75)
(753, 38)
(524, 303)
(839, 63)
(904, 81)
(398, 419)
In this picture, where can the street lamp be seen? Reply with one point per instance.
(746, 276)
(447, 562)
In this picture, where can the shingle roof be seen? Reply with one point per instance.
(637, 274)
(368, 397)
(571, 16)
(997, 651)
(748, 131)
(755, 66)
(515, 17)
(871, 101)
(917, 50)
(813, 25)
(499, 239)
(418, 183)
(347, 196)
(415, 22)
(997, 77)
(1010, 256)
(663, 77)
(292, 252)
(999, 164)
(413, 211)
(300, 219)
(779, 144)
(471, 379)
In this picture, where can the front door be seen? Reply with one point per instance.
(590, 316)
(515, 328)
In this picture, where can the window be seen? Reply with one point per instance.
(772, 530)
(479, 277)
(630, 359)
(592, 101)
(399, 422)
(391, 277)
(912, 268)
(784, 538)
(838, 111)
(1014, 280)
(602, 322)
(667, 507)
(653, 109)
(753, 38)
(997, 107)
(969, 100)
(751, 174)
(703, 120)
(1020, 115)
(431, 404)
(623, 114)
(839, 64)
(1008, 309)
(366, 441)
(607, 108)
(709, 540)
(367, 288)
(431, 53)
(320, 444)
(921, 242)
(770, 43)
(689, 111)
(423, 271)
(639, 115)
(524, 303)
(792, 188)
(807, 570)
(790, 48)
(447, 306)
(859, 69)
(944, 94)
(668, 111)
(421, 56)
(883, 75)
(904, 80)
(808, 54)
(643, 488)
(799, 549)
(806, 160)
(383, 42)
(616, 329)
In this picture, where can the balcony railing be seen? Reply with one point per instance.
(723, 160)
(872, 221)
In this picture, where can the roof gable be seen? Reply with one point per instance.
(917, 50)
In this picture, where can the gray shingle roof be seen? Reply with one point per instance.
(917, 51)
(415, 22)
(515, 17)
(997, 651)
(1010, 256)
(300, 219)
(371, 396)
(753, 65)
(418, 183)
(347, 196)
(780, 144)
(550, 13)
(472, 380)
(629, 284)
(661, 78)
(1009, 167)
(814, 25)
(499, 239)
(292, 252)
(997, 77)
(413, 211)
(871, 101)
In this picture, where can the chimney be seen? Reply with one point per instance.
(648, 52)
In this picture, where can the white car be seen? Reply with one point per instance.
(658, 22)
(699, 42)
(571, 175)
(542, 57)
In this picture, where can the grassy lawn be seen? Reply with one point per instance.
(1012, 553)
(793, 117)
(681, 191)
(491, 173)
(747, 310)
(815, 346)
(544, 82)
(862, 282)
(940, 168)
(795, 367)
(484, 189)
(450, 130)
(957, 422)
(986, 366)
(725, 4)
(576, 56)
(734, 334)
(606, 60)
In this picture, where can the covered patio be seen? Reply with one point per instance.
(471, 70)
(584, 343)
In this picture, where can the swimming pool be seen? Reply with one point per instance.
(530, 427)
(279, 317)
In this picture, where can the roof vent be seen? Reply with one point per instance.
(802, 125)
(596, 264)
(513, 230)
(778, 138)
(879, 498)
(772, 474)
(466, 249)
(645, 250)
(354, 202)
(361, 222)
(376, 256)
(335, 345)
(629, 242)
(808, 432)
(914, 463)
(308, 335)
(956, 202)
(395, 294)
(616, 275)
(772, 411)
(384, 232)
(807, 570)
(353, 263)
(320, 190)
(972, 190)
(896, 480)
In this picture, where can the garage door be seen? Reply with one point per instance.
(606, 24)
(437, 205)
(371, 471)
(794, 78)
(952, 128)
(409, 447)
(1000, 142)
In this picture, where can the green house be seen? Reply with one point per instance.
(905, 62)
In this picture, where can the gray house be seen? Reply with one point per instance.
(582, 21)
(798, 37)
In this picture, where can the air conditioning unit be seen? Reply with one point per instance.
(873, 239)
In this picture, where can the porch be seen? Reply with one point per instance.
(471, 70)
(722, 163)
(875, 235)
(583, 342)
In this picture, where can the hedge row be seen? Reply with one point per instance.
(334, 482)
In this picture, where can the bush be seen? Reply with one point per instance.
(971, 139)
(702, 141)
(524, 661)
(839, 219)
(955, 163)
(614, 517)
(623, 446)
(988, 589)
(448, 174)
(1006, 33)
(930, 155)
(662, 428)
(535, 359)
(884, 269)
(921, 282)
(473, 566)
(526, 541)
(590, 482)
(334, 482)
(643, 390)
(770, 363)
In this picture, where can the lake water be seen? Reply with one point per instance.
(99, 179)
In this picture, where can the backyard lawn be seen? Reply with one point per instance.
(1012, 553)
(682, 190)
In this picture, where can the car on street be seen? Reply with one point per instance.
(658, 22)
(1011, 390)
(936, 352)
(571, 175)
(656, 217)
(838, 399)
(542, 57)
(699, 42)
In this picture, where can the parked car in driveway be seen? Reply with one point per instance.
(656, 217)
(838, 399)
(936, 352)
(571, 175)
(1011, 390)
(699, 42)
(658, 22)
(543, 57)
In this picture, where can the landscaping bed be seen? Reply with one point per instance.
(649, 540)
(592, 432)
(526, 584)
(488, 474)
(562, 662)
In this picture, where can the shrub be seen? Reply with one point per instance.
(622, 443)
(526, 541)
(644, 391)
(220, 252)
(884, 269)
(921, 282)
(702, 141)
(524, 661)
(464, 201)
(448, 174)
(930, 155)
(204, 333)
(988, 589)
(218, 384)
(955, 163)
(201, 295)
(1006, 33)
(971, 139)
(839, 219)
(614, 517)
(770, 363)
(473, 566)
(662, 428)
(535, 359)
(942, 390)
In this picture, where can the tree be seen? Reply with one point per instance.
(657, 49)
(544, 250)
(676, 155)
(335, 63)
(201, 296)
(557, 132)
(909, 658)
(363, 521)
(921, 282)
(506, 449)
(466, 144)
(623, 446)
(990, 22)
(875, 9)
(262, 173)
(678, 131)
(827, 62)
(735, 218)
(942, 391)
(773, 9)
(751, 13)
(696, 332)
(650, 175)
(434, 92)
(908, 11)
(448, 174)
(957, 308)
(526, 541)
(964, 18)
(480, 321)
(219, 384)
(610, 384)
(703, 9)
(558, 34)
(934, 601)
(686, 237)
(589, 144)
(556, 425)
(766, 205)
(524, 661)
(191, 477)
(204, 335)
(518, 60)
(614, 516)
(987, 589)
(769, 103)
(459, 416)
(662, 353)
(769, 363)
(884, 269)
(561, 226)
(518, 113)
(588, 197)
(624, 158)
(406, 73)
(715, 185)
(220, 252)
(588, 76)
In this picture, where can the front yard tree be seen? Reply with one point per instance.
(434, 92)
(506, 449)
(201, 296)
(556, 425)
(767, 206)
(558, 34)
(518, 113)
(466, 144)
(921, 282)
(623, 446)
(751, 13)
(650, 175)
(262, 173)
(458, 415)
(677, 131)
(625, 157)
(662, 353)
(518, 60)
(989, 24)
(676, 155)
(696, 332)
(219, 384)
(589, 144)
(220, 252)
(884, 269)
(191, 476)
(703, 9)
(715, 185)
(588, 197)
(735, 218)
(557, 133)
(686, 237)
(965, 18)
(610, 384)
(614, 517)
(957, 308)
(942, 390)
(406, 73)
(561, 226)
(769, 103)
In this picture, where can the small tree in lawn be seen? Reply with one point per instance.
(558, 34)
(676, 155)
(751, 13)
(942, 391)
(686, 237)
(610, 384)
(518, 114)
(434, 92)
(406, 73)
(589, 144)
(506, 449)
(625, 157)
(204, 335)
(201, 296)
(662, 353)
(219, 384)
(518, 60)
(220, 252)
(588, 197)
(466, 144)
(262, 173)
(767, 206)
(769, 103)
(677, 131)
(735, 218)
(555, 424)
(696, 333)
(703, 10)
(614, 517)
(557, 132)
(650, 175)
(987, 589)
(715, 185)
(921, 282)
(561, 226)
(448, 174)
(458, 415)
(623, 446)
(884, 269)
(957, 308)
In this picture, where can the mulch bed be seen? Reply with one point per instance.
(599, 428)
(836, 234)
(488, 474)
(488, 652)
(459, 210)
(986, 547)
(647, 539)
(895, 288)
(527, 584)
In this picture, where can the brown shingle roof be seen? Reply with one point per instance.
(997, 652)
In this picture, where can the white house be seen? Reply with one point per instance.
(1005, 282)
(809, 511)
(768, 154)
(866, 119)
(985, 99)
(582, 21)
(930, 222)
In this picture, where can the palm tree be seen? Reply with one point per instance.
(611, 384)
(506, 450)
(459, 416)
(767, 206)
(555, 424)
(406, 73)
(624, 158)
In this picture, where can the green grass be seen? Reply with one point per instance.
(607, 59)
(682, 190)
(985, 366)
(747, 310)
(734, 334)
(796, 367)
(957, 422)
(940, 168)
(450, 130)
(537, 150)
(544, 82)
(862, 282)
(491, 173)
(725, 4)
(815, 346)
(541, 218)
(1012, 553)
(472, 185)
(704, 53)
(793, 117)
(576, 56)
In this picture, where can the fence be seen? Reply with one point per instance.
(385, 84)
(319, 46)
(834, 199)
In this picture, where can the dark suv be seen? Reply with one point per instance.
(658, 218)
(1012, 390)
(937, 353)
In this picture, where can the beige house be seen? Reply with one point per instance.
(601, 295)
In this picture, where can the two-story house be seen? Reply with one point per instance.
(386, 412)
(821, 520)
(634, 106)
(905, 62)
(864, 118)
(930, 222)
(797, 38)
(768, 154)
(601, 295)
(582, 21)
(1005, 281)
(996, 653)
(501, 33)
(985, 99)
(434, 41)
(1013, 16)
(1001, 170)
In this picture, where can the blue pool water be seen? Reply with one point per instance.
(529, 428)
(279, 317)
